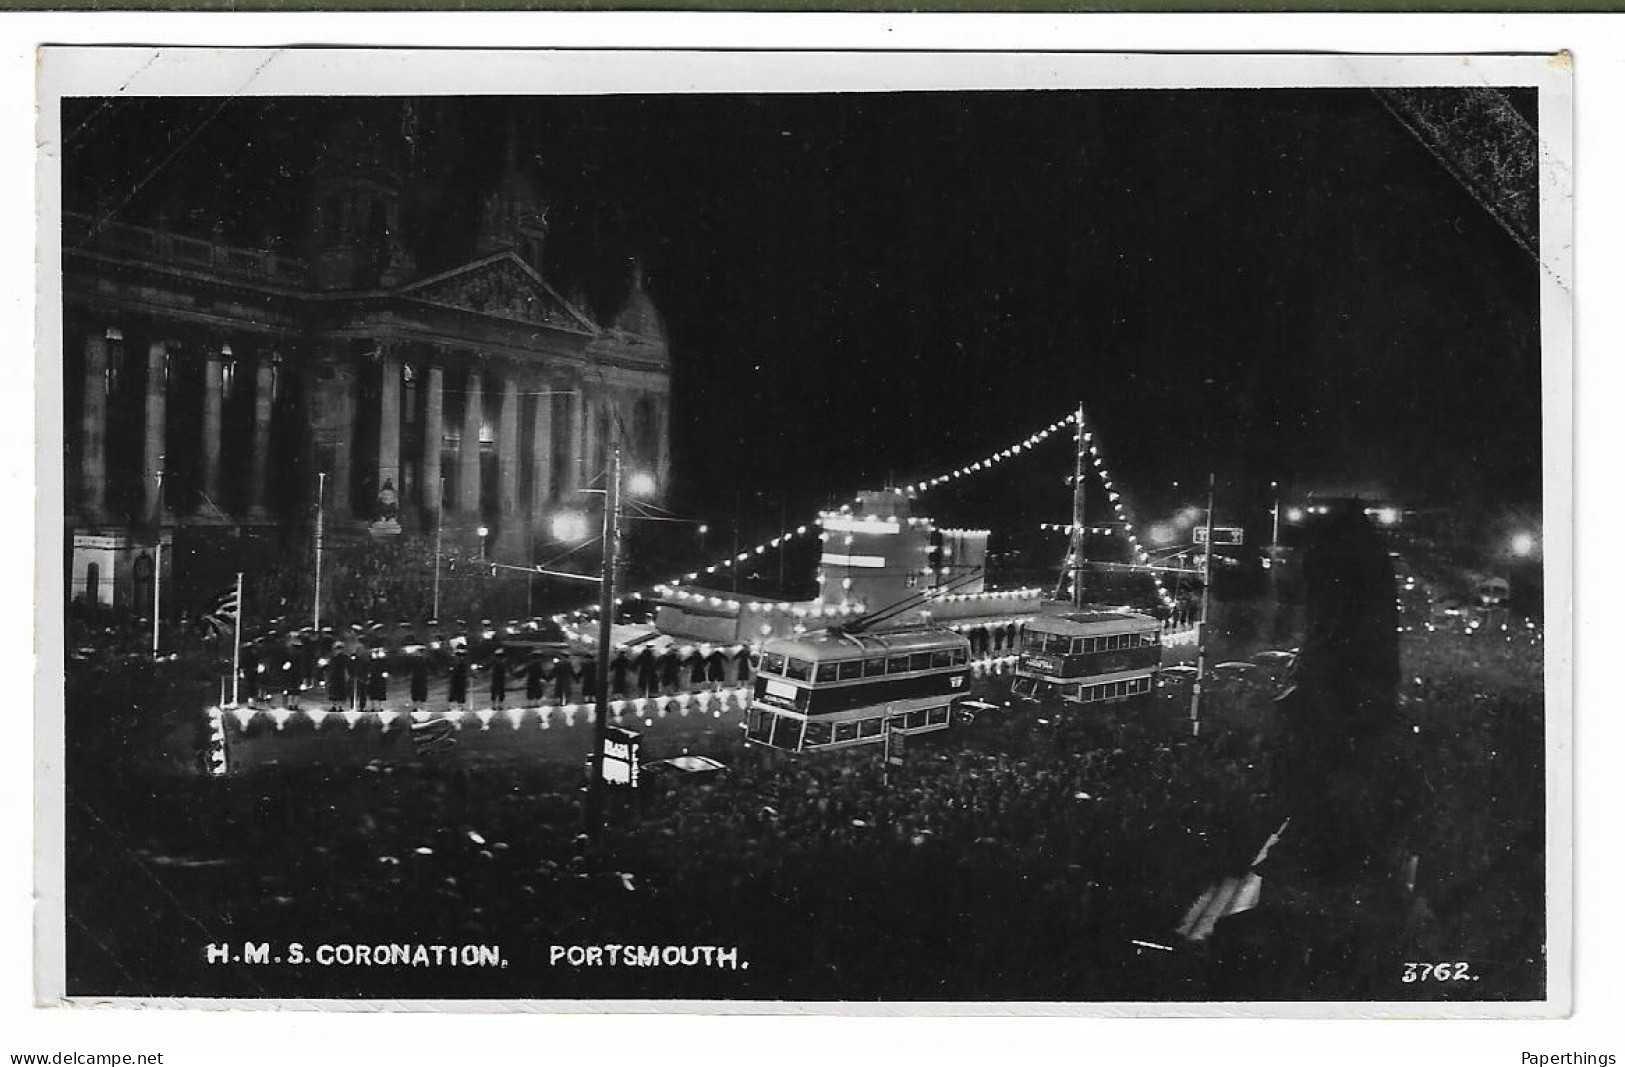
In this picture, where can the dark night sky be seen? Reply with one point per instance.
(1278, 284)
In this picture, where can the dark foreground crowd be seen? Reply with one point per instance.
(1008, 859)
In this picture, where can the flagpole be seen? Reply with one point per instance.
(237, 642)
(316, 617)
(157, 588)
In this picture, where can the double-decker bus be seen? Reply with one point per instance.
(834, 688)
(1086, 657)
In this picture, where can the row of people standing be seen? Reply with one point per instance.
(544, 677)
(354, 675)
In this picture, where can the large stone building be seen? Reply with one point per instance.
(207, 385)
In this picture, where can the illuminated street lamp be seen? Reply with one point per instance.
(641, 483)
(570, 526)
(1523, 544)
(484, 532)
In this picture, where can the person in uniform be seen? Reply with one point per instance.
(363, 667)
(617, 673)
(589, 680)
(338, 677)
(420, 676)
(378, 680)
(499, 677)
(563, 677)
(458, 695)
(534, 682)
(646, 673)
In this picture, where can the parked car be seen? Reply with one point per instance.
(1177, 676)
(1274, 663)
(1235, 676)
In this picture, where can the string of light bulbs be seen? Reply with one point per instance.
(1140, 556)
(727, 563)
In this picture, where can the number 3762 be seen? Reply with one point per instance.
(1438, 972)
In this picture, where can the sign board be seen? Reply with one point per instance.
(896, 745)
(621, 752)
(1222, 535)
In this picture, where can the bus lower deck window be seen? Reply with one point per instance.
(846, 731)
(818, 733)
(787, 733)
(869, 728)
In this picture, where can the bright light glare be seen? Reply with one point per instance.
(1387, 516)
(641, 483)
(1523, 544)
(484, 531)
(1294, 514)
(569, 526)
(1161, 534)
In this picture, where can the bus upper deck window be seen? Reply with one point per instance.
(942, 657)
(850, 669)
(798, 669)
(874, 666)
(919, 661)
(772, 663)
(897, 665)
(828, 672)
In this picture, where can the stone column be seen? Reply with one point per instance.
(93, 460)
(344, 403)
(264, 385)
(433, 433)
(541, 453)
(389, 424)
(508, 453)
(468, 452)
(570, 469)
(210, 504)
(154, 429)
(582, 417)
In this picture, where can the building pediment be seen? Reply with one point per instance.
(502, 286)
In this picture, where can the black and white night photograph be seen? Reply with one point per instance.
(1077, 541)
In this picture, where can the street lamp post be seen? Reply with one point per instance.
(484, 532)
(606, 618)
(1201, 624)
(439, 529)
(1275, 518)
(316, 610)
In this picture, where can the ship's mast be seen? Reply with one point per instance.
(1077, 539)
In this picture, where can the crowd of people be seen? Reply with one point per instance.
(1035, 853)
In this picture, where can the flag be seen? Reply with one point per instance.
(1228, 896)
(221, 615)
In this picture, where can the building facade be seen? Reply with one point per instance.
(207, 385)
